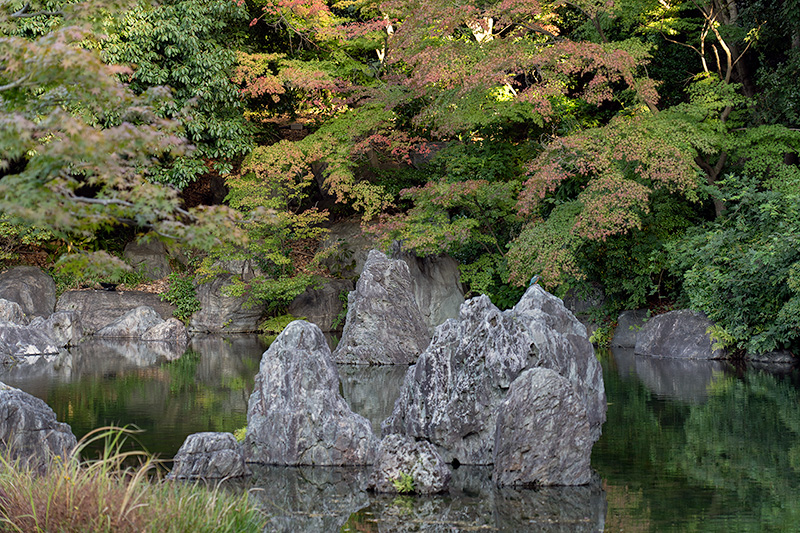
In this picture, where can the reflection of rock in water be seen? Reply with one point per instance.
(372, 390)
(307, 498)
(474, 503)
(228, 356)
(680, 379)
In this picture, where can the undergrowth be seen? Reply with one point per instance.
(106, 494)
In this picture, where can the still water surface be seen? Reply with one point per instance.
(688, 446)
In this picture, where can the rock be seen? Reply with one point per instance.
(436, 284)
(450, 397)
(353, 247)
(629, 323)
(171, 330)
(543, 435)
(383, 325)
(296, 415)
(131, 325)
(778, 357)
(582, 300)
(682, 334)
(97, 309)
(322, 306)
(209, 456)
(11, 312)
(19, 341)
(244, 269)
(149, 258)
(29, 430)
(400, 456)
(223, 314)
(64, 327)
(31, 288)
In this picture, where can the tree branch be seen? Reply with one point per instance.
(23, 13)
(15, 84)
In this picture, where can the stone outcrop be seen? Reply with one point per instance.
(543, 435)
(296, 415)
(29, 430)
(149, 258)
(209, 455)
(223, 314)
(629, 323)
(19, 341)
(321, 306)
(436, 285)
(97, 309)
(31, 288)
(680, 334)
(400, 456)
(450, 397)
(383, 325)
(131, 325)
(171, 330)
(64, 327)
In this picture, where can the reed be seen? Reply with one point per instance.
(108, 494)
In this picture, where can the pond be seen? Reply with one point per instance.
(688, 445)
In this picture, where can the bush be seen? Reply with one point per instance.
(743, 270)
(182, 295)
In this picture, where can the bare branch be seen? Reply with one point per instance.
(15, 84)
(23, 13)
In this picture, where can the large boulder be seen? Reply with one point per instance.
(436, 284)
(383, 324)
(543, 435)
(149, 258)
(98, 309)
(451, 396)
(400, 456)
(680, 334)
(31, 288)
(19, 341)
(296, 415)
(220, 313)
(171, 330)
(64, 327)
(29, 430)
(322, 306)
(209, 455)
(131, 325)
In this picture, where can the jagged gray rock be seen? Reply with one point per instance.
(11, 312)
(149, 258)
(64, 327)
(296, 415)
(681, 334)
(29, 430)
(98, 309)
(321, 306)
(435, 283)
(543, 435)
(19, 341)
(209, 455)
(171, 330)
(450, 397)
(383, 325)
(223, 314)
(131, 325)
(398, 456)
(31, 288)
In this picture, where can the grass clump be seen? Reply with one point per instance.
(105, 495)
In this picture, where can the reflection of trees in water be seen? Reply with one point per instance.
(731, 462)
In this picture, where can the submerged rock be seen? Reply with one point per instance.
(209, 455)
(400, 456)
(384, 325)
(296, 415)
(680, 334)
(451, 396)
(543, 435)
(29, 430)
(32, 289)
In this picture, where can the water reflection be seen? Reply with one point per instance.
(372, 390)
(687, 380)
(104, 382)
